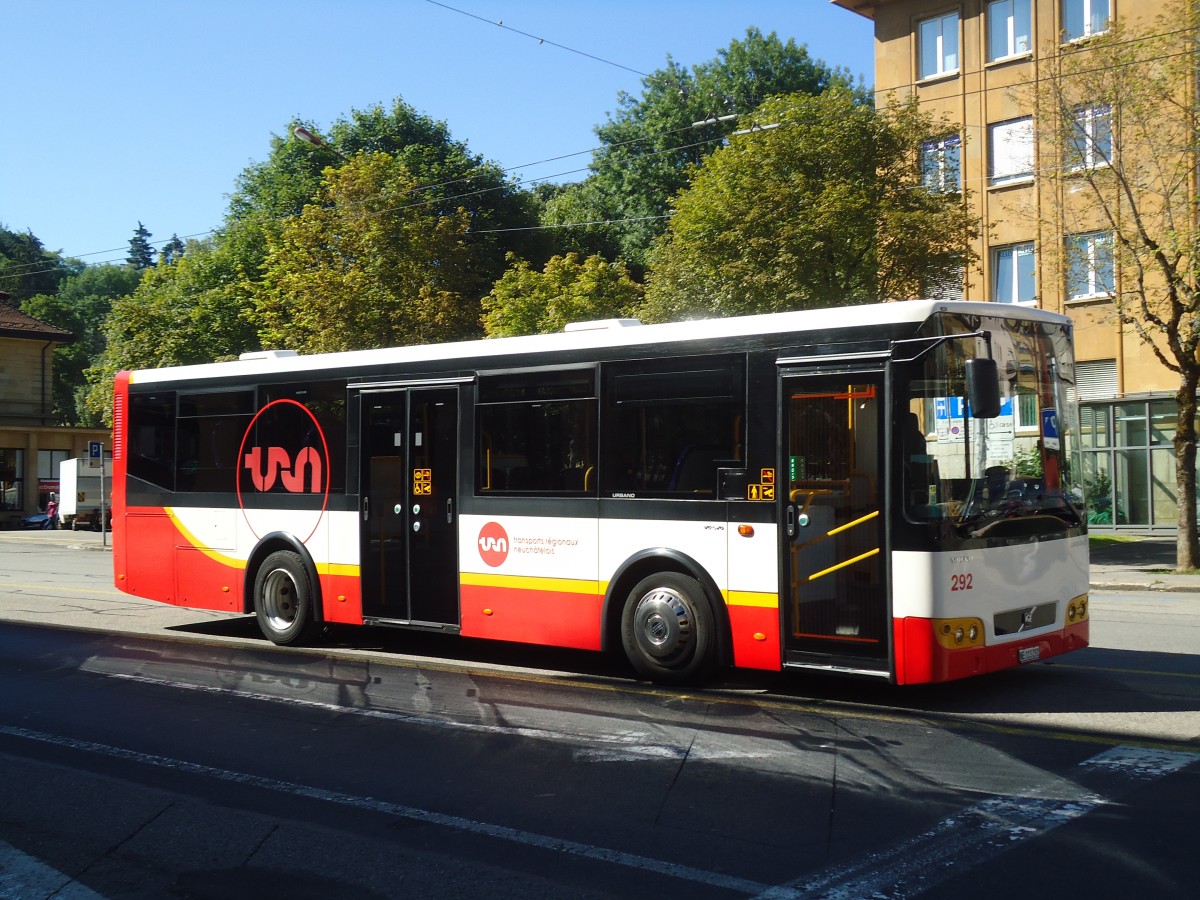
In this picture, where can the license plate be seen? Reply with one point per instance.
(1030, 654)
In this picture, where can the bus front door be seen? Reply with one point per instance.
(836, 612)
(409, 471)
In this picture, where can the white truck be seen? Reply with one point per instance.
(79, 494)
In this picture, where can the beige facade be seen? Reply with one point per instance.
(977, 64)
(31, 445)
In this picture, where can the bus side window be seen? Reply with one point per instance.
(671, 425)
(536, 433)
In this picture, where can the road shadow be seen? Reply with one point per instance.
(1149, 554)
(1092, 680)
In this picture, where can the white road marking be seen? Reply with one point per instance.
(957, 844)
(976, 835)
(500, 832)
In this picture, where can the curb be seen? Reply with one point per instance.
(1157, 586)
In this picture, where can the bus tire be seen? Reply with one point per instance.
(668, 629)
(283, 599)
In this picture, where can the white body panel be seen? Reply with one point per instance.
(590, 549)
(981, 583)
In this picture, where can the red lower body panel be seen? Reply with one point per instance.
(528, 616)
(921, 659)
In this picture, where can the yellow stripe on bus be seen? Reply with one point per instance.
(349, 570)
(196, 543)
(533, 583)
(752, 598)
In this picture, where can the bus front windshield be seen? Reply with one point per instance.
(1012, 476)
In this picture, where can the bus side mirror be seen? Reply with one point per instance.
(983, 388)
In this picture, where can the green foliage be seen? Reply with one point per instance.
(172, 250)
(365, 266)
(649, 146)
(1028, 462)
(193, 311)
(568, 209)
(80, 306)
(824, 209)
(27, 268)
(141, 251)
(525, 301)
(446, 177)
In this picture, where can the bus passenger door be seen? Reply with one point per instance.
(835, 600)
(409, 505)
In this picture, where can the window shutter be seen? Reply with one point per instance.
(1096, 379)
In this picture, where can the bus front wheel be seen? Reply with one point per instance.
(283, 598)
(668, 630)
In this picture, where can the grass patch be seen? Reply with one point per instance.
(1104, 540)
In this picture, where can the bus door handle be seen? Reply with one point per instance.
(791, 520)
(366, 508)
(450, 511)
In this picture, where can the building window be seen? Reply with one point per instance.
(48, 473)
(937, 40)
(12, 479)
(1013, 274)
(941, 164)
(1090, 265)
(1084, 18)
(1010, 148)
(1010, 28)
(1090, 141)
(1096, 379)
(947, 287)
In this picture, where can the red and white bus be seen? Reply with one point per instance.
(890, 490)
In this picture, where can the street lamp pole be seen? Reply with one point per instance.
(309, 138)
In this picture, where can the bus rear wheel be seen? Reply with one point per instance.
(283, 599)
(668, 630)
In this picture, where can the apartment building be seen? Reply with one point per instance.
(979, 64)
(31, 445)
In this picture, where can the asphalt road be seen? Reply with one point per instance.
(156, 752)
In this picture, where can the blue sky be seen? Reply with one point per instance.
(119, 112)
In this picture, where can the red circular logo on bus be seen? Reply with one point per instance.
(493, 544)
(299, 470)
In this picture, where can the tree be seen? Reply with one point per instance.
(820, 204)
(196, 310)
(365, 266)
(81, 305)
(27, 268)
(525, 301)
(650, 144)
(172, 250)
(1120, 132)
(141, 251)
(446, 177)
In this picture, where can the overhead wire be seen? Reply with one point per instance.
(12, 272)
(499, 23)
